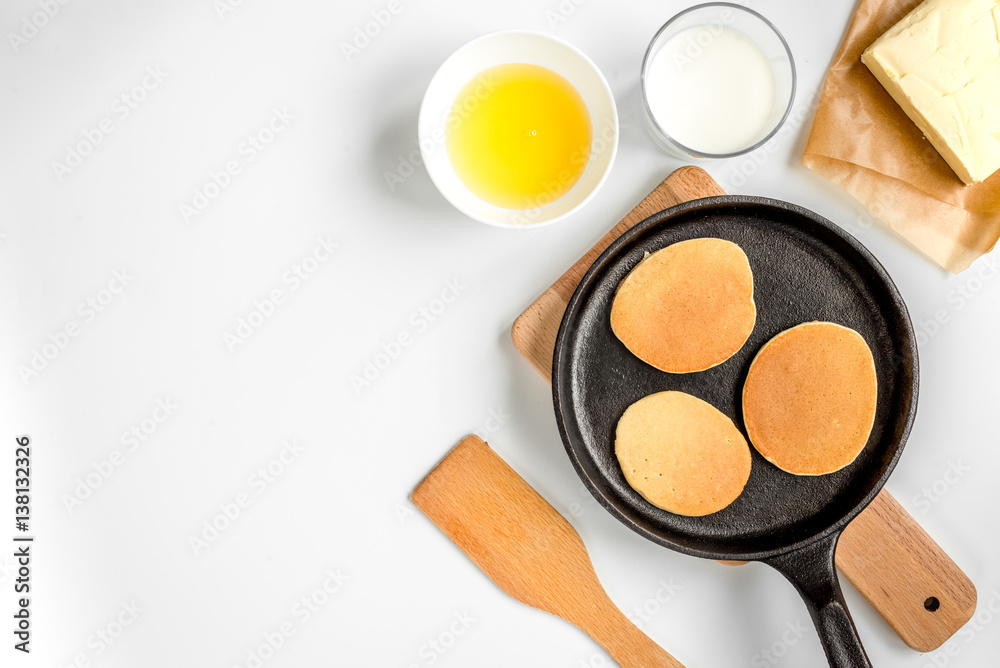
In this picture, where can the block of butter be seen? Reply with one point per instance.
(941, 63)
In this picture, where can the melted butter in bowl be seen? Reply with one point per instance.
(519, 135)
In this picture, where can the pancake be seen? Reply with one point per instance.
(682, 454)
(686, 307)
(809, 398)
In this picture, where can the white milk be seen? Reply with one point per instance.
(711, 89)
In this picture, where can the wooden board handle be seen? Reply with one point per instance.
(524, 545)
(885, 554)
(905, 575)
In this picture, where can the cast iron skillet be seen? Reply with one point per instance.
(805, 268)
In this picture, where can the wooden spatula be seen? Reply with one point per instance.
(524, 545)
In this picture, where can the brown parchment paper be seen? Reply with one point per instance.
(862, 141)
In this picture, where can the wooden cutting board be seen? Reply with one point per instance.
(885, 554)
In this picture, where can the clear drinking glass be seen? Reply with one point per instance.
(758, 29)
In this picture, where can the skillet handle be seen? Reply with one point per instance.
(812, 571)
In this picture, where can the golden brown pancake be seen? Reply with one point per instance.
(682, 454)
(809, 398)
(687, 307)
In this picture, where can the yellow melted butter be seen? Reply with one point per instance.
(519, 136)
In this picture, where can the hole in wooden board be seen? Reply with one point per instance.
(932, 604)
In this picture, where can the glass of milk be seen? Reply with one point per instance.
(718, 80)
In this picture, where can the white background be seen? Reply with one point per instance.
(342, 502)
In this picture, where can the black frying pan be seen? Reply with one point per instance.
(805, 268)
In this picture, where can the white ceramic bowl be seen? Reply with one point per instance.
(516, 46)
